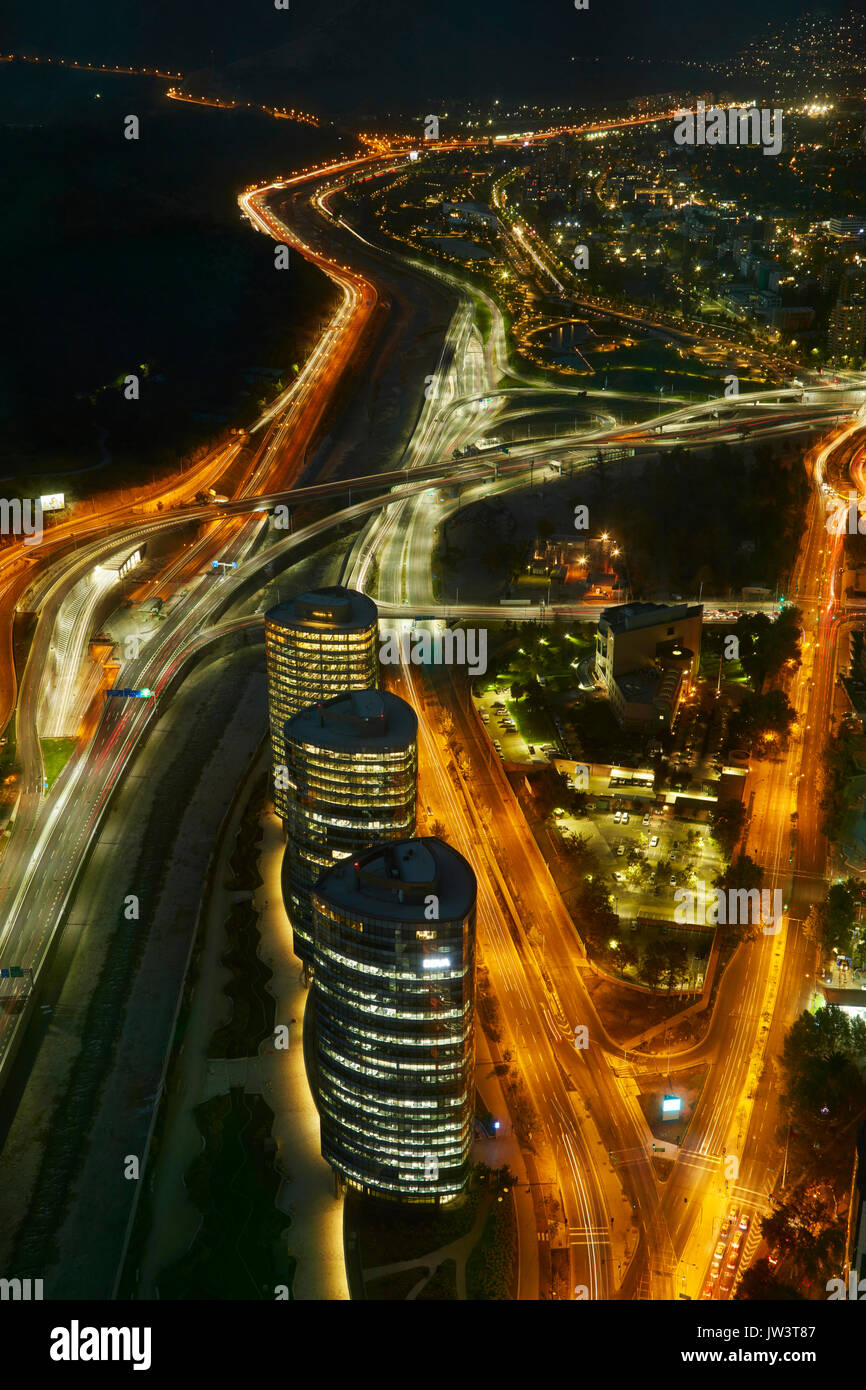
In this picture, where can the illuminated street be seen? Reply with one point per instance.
(433, 687)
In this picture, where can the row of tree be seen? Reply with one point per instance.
(823, 1102)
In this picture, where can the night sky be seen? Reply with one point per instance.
(397, 48)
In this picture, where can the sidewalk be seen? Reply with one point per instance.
(497, 1152)
(315, 1237)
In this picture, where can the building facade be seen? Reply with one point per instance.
(351, 771)
(847, 333)
(395, 1019)
(317, 645)
(646, 655)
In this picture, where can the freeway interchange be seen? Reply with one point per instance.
(628, 1234)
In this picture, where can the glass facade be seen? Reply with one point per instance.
(351, 770)
(317, 645)
(395, 1017)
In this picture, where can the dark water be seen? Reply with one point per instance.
(131, 256)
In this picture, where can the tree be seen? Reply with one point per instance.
(598, 923)
(759, 1285)
(652, 964)
(623, 955)
(675, 959)
(767, 644)
(841, 914)
(806, 1231)
(727, 820)
(578, 847)
(824, 1095)
(824, 1035)
(742, 872)
(761, 722)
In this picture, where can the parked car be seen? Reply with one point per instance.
(617, 817)
(654, 839)
(646, 819)
(625, 817)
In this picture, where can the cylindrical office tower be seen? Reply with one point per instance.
(395, 1016)
(316, 646)
(351, 770)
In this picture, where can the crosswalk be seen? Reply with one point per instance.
(594, 1235)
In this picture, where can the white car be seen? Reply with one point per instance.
(625, 817)
(617, 817)
(654, 841)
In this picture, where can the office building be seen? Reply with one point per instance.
(317, 645)
(351, 769)
(394, 996)
(646, 655)
(847, 335)
(852, 226)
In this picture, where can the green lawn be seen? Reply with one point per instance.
(491, 1270)
(534, 725)
(56, 753)
(483, 317)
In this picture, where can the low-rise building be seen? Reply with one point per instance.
(646, 655)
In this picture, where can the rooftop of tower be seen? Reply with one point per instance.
(329, 607)
(354, 720)
(396, 881)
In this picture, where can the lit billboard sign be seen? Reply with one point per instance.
(53, 502)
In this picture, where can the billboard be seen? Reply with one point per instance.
(53, 502)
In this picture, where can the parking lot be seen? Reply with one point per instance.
(678, 854)
(496, 712)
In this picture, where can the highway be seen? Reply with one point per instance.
(586, 1100)
(729, 1157)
